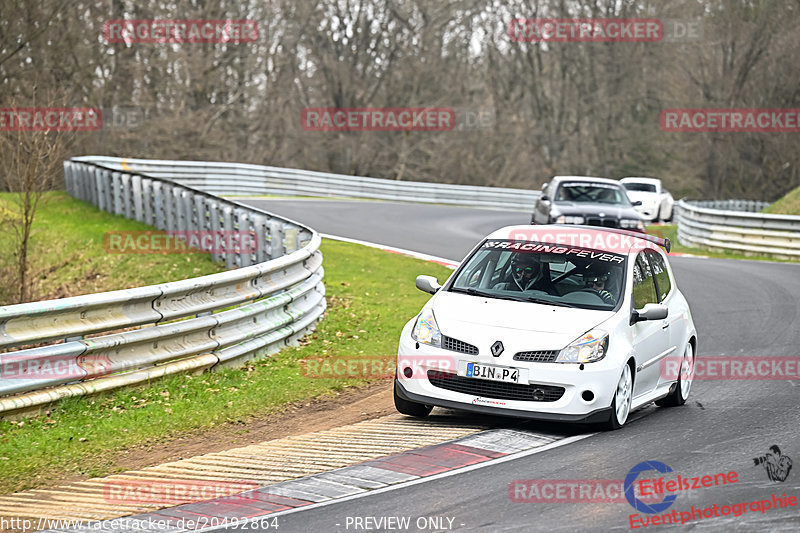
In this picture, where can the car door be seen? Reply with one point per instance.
(651, 340)
(676, 322)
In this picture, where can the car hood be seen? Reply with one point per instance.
(481, 321)
(588, 209)
(643, 196)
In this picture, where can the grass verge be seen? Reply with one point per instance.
(69, 258)
(370, 296)
(788, 205)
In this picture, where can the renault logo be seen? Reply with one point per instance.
(497, 348)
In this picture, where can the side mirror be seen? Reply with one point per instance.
(649, 312)
(544, 198)
(428, 284)
(636, 203)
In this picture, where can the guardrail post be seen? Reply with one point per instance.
(245, 231)
(159, 210)
(116, 187)
(227, 226)
(260, 229)
(214, 217)
(147, 201)
(275, 239)
(136, 192)
(127, 199)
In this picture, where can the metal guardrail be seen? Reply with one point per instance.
(750, 206)
(118, 338)
(744, 232)
(239, 179)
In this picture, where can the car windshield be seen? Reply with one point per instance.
(597, 193)
(543, 273)
(644, 187)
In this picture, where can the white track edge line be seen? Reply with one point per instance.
(490, 462)
(418, 255)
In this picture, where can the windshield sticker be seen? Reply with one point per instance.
(589, 184)
(553, 249)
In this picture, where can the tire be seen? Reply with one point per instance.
(623, 398)
(406, 407)
(682, 387)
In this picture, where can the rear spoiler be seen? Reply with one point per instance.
(663, 242)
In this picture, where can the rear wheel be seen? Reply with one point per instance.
(623, 398)
(406, 407)
(682, 387)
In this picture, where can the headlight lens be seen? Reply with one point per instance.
(569, 220)
(589, 348)
(426, 330)
(632, 224)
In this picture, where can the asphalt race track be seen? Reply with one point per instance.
(740, 308)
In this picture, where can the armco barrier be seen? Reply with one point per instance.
(739, 231)
(239, 179)
(273, 297)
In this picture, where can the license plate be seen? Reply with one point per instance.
(492, 373)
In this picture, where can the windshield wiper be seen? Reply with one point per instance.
(531, 299)
(476, 292)
(550, 302)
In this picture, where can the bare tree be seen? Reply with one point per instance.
(30, 165)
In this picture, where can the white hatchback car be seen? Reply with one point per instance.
(563, 323)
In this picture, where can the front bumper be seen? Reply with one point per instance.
(600, 378)
(648, 212)
(594, 417)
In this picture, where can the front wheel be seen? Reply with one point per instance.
(682, 387)
(623, 398)
(406, 407)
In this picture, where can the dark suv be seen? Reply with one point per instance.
(588, 201)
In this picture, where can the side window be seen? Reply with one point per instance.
(644, 290)
(662, 275)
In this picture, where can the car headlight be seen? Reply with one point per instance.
(569, 220)
(589, 348)
(628, 223)
(426, 330)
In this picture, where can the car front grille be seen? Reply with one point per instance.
(494, 389)
(542, 356)
(455, 345)
(606, 222)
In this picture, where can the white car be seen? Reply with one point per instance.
(656, 202)
(557, 322)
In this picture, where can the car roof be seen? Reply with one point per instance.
(616, 240)
(654, 181)
(587, 179)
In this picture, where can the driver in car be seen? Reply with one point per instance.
(526, 274)
(597, 283)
